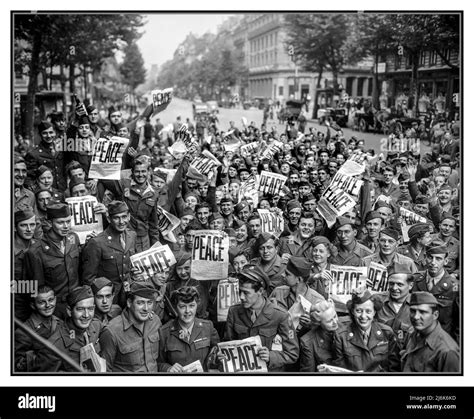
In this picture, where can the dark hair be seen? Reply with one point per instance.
(306, 214)
(185, 295)
(202, 205)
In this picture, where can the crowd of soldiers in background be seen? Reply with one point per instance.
(87, 294)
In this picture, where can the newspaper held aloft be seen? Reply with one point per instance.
(84, 220)
(152, 261)
(107, 158)
(210, 255)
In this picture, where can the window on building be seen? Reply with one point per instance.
(398, 62)
(349, 85)
(360, 86)
(280, 90)
(446, 53)
(432, 58)
(370, 86)
(421, 61)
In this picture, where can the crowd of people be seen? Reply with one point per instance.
(89, 295)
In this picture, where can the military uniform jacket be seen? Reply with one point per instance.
(68, 339)
(126, 348)
(142, 206)
(26, 347)
(283, 297)
(270, 322)
(316, 348)
(398, 321)
(274, 270)
(352, 353)
(42, 155)
(291, 245)
(420, 260)
(24, 197)
(352, 258)
(103, 255)
(45, 264)
(397, 258)
(445, 291)
(174, 347)
(453, 256)
(437, 352)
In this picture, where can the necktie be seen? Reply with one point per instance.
(62, 248)
(187, 334)
(253, 316)
(430, 284)
(122, 240)
(365, 336)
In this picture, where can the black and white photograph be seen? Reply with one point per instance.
(228, 194)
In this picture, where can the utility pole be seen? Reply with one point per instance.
(291, 53)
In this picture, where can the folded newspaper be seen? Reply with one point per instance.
(193, 367)
(332, 368)
(90, 361)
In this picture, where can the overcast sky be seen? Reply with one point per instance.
(164, 32)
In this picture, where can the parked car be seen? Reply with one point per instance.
(337, 115)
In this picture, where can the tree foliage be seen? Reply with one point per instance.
(317, 40)
(206, 66)
(133, 66)
(69, 40)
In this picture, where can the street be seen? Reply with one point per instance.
(183, 108)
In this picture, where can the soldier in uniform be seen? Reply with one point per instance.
(130, 342)
(395, 309)
(316, 346)
(273, 265)
(350, 252)
(103, 290)
(441, 284)
(364, 344)
(187, 338)
(25, 224)
(420, 237)
(296, 276)
(54, 260)
(141, 199)
(43, 322)
(45, 153)
(23, 196)
(387, 254)
(257, 316)
(373, 224)
(447, 228)
(79, 329)
(429, 347)
(299, 242)
(108, 254)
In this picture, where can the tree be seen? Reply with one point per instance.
(133, 67)
(317, 41)
(371, 35)
(71, 41)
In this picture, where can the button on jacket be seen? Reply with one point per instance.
(353, 354)
(126, 348)
(437, 352)
(68, 339)
(26, 348)
(45, 264)
(104, 256)
(174, 347)
(316, 348)
(351, 258)
(42, 155)
(445, 291)
(270, 322)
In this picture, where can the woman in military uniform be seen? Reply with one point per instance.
(186, 339)
(364, 344)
